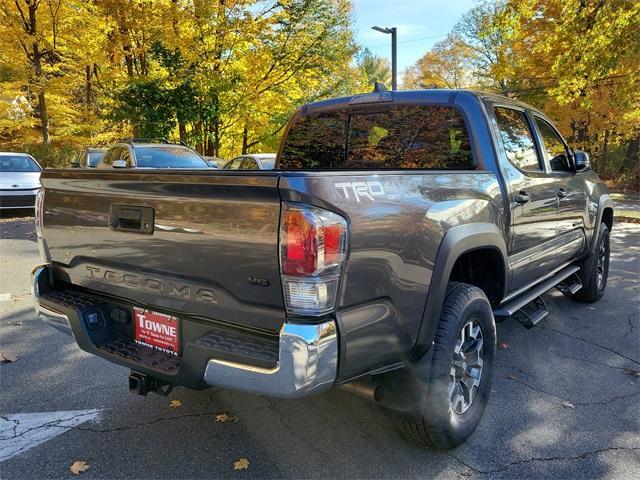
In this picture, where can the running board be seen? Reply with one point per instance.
(511, 307)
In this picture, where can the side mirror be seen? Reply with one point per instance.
(119, 164)
(581, 161)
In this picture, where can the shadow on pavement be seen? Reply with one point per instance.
(17, 227)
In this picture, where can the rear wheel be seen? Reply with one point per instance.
(461, 371)
(594, 286)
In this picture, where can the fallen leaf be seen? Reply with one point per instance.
(224, 417)
(568, 405)
(78, 467)
(503, 346)
(510, 376)
(175, 403)
(241, 464)
(8, 358)
(632, 372)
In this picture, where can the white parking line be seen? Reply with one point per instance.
(20, 432)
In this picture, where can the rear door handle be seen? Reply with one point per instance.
(562, 193)
(522, 197)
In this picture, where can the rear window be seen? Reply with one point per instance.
(418, 137)
(168, 157)
(17, 163)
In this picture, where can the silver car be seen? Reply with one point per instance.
(19, 180)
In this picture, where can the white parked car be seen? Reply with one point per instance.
(19, 180)
(252, 161)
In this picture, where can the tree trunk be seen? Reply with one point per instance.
(42, 101)
(605, 151)
(44, 116)
(182, 130)
(197, 129)
(87, 87)
(36, 60)
(123, 29)
(245, 140)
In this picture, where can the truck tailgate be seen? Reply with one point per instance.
(203, 243)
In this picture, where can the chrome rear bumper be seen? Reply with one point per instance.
(56, 320)
(307, 364)
(307, 355)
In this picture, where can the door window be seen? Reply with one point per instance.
(111, 155)
(233, 164)
(517, 139)
(126, 156)
(249, 164)
(554, 146)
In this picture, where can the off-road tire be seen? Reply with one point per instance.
(439, 426)
(593, 288)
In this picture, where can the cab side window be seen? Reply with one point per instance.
(554, 146)
(517, 139)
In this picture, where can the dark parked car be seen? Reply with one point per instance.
(89, 158)
(19, 180)
(396, 228)
(145, 154)
(252, 161)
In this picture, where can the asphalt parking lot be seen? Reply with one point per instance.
(565, 403)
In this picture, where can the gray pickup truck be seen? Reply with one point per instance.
(395, 230)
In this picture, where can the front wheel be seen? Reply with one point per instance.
(461, 370)
(594, 286)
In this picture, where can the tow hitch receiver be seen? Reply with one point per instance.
(141, 384)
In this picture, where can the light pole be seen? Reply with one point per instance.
(394, 53)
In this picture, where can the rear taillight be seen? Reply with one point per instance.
(313, 246)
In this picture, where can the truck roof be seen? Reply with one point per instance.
(415, 97)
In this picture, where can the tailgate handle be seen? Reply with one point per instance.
(129, 218)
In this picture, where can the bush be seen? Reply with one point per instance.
(52, 155)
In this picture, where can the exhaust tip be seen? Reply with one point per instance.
(366, 389)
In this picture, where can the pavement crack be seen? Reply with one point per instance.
(576, 404)
(631, 326)
(590, 361)
(513, 367)
(15, 422)
(590, 343)
(53, 423)
(150, 422)
(507, 466)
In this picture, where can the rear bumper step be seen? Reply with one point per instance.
(302, 360)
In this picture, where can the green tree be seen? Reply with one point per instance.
(374, 68)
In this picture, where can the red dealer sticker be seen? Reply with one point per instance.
(157, 330)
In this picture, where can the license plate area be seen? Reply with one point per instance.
(157, 330)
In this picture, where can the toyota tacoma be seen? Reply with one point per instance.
(395, 230)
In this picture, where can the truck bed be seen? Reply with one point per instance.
(212, 248)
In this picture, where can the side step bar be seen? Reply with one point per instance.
(570, 285)
(511, 307)
(531, 314)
